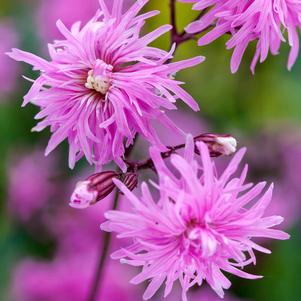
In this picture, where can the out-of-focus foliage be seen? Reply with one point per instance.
(257, 109)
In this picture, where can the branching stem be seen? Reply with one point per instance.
(105, 245)
(136, 166)
(177, 39)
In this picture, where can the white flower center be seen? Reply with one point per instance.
(98, 83)
(99, 77)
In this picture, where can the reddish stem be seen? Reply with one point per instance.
(105, 244)
(105, 247)
(135, 166)
(179, 38)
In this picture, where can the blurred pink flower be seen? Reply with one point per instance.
(104, 84)
(279, 159)
(188, 121)
(287, 203)
(202, 224)
(77, 231)
(69, 278)
(69, 11)
(70, 274)
(8, 69)
(290, 147)
(203, 294)
(263, 21)
(30, 183)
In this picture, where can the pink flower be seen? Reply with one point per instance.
(69, 11)
(77, 231)
(188, 121)
(201, 225)
(8, 70)
(263, 21)
(104, 84)
(30, 183)
(69, 278)
(279, 159)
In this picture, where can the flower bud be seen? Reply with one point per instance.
(130, 181)
(226, 145)
(95, 188)
(218, 144)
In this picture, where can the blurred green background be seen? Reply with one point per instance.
(246, 106)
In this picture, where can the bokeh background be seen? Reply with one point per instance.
(48, 251)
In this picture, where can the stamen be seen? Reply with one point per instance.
(98, 83)
(99, 78)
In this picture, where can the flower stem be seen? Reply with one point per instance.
(106, 243)
(179, 38)
(173, 22)
(105, 247)
(215, 143)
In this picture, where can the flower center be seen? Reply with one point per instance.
(201, 241)
(99, 78)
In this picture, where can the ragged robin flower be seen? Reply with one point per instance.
(104, 84)
(268, 23)
(201, 225)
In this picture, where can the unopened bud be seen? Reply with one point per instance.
(93, 189)
(130, 181)
(218, 145)
(227, 145)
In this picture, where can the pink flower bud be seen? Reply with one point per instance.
(218, 145)
(92, 190)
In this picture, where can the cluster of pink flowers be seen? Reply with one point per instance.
(31, 183)
(104, 85)
(69, 274)
(68, 278)
(201, 225)
(262, 21)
